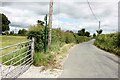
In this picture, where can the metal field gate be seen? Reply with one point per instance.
(16, 59)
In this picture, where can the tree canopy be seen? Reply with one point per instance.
(39, 22)
(82, 32)
(22, 32)
(99, 31)
(5, 22)
(87, 34)
(94, 35)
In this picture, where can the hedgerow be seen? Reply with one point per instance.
(59, 39)
(109, 42)
(38, 33)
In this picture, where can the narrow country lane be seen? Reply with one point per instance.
(87, 61)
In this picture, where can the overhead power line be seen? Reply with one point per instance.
(92, 11)
(94, 15)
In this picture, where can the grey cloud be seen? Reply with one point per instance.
(74, 10)
(19, 24)
(39, 8)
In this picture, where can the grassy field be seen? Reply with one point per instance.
(9, 40)
(109, 42)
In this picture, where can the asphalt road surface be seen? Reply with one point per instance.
(87, 61)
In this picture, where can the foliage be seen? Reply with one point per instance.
(109, 42)
(38, 33)
(87, 34)
(51, 59)
(39, 22)
(80, 39)
(69, 37)
(22, 32)
(99, 31)
(94, 35)
(70, 31)
(5, 22)
(82, 32)
(11, 32)
(59, 38)
(118, 40)
(41, 59)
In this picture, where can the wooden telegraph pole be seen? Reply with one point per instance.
(99, 31)
(99, 25)
(50, 23)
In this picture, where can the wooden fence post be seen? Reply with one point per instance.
(32, 47)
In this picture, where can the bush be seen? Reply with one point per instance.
(80, 39)
(38, 33)
(109, 42)
(59, 38)
(41, 59)
(69, 38)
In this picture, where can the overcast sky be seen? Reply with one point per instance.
(73, 15)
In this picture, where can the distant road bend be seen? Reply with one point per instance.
(87, 61)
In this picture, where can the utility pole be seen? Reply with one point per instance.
(99, 31)
(50, 22)
(99, 25)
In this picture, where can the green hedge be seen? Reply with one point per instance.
(109, 42)
(80, 39)
(69, 38)
(59, 37)
(38, 33)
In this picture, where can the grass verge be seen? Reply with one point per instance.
(53, 57)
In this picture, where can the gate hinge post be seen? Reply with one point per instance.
(32, 47)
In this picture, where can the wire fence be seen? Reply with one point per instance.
(16, 59)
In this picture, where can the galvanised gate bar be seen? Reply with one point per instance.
(16, 59)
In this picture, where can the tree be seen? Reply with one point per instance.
(5, 22)
(94, 35)
(22, 32)
(39, 22)
(99, 31)
(87, 34)
(19, 32)
(81, 32)
(11, 32)
(70, 31)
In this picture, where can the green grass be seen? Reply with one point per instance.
(109, 42)
(10, 56)
(46, 59)
(10, 40)
(50, 58)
